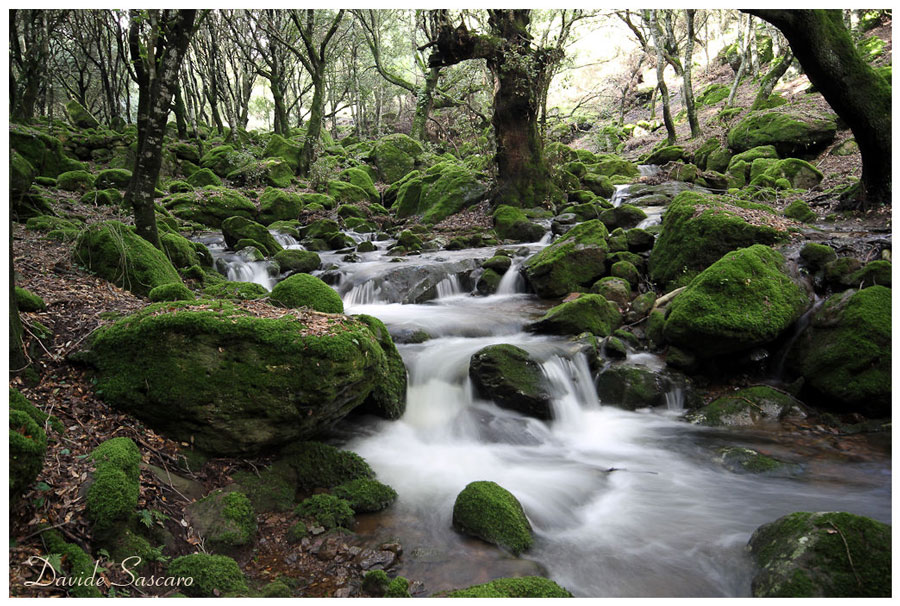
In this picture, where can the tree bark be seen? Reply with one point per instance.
(779, 66)
(859, 95)
(671, 135)
(690, 107)
(424, 103)
(17, 359)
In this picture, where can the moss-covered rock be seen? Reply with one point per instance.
(116, 253)
(342, 191)
(375, 583)
(617, 290)
(243, 382)
(287, 151)
(453, 189)
(238, 291)
(113, 495)
(276, 205)
(175, 291)
(666, 154)
(365, 495)
(587, 313)
(75, 180)
(298, 261)
(213, 575)
(816, 256)
(117, 178)
(825, 554)
(746, 460)
(182, 252)
(791, 133)
(326, 510)
(511, 378)
(874, 272)
(575, 260)
(312, 465)
(210, 206)
(625, 216)
(225, 520)
(388, 399)
(102, 197)
(511, 223)
(28, 301)
(517, 587)
(747, 406)
(362, 180)
(239, 228)
(44, 152)
(632, 387)
(626, 271)
(224, 159)
(76, 564)
(27, 444)
(490, 512)
(845, 355)
(304, 290)
(398, 588)
(611, 165)
(697, 229)
(395, 156)
(599, 185)
(798, 173)
(800, 211)
(204, 177)
(79, 116)
(743, 300)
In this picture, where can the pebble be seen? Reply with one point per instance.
(369, 559)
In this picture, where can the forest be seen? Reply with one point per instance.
(450, 303)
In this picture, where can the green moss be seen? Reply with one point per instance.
(297, 532)
(212, 575)
(512, 224)
(175, 291)
(311, 465)
(874, 272)
(224, 159)
(298, 261)
(742, 300)
(518, 587)
(626, 271)
(78, 564)
(202, 178)
(817, 255)
(790, 133)
(268, 491)
(49, 223)
(28, 301)
(75, 180)
(239, 228)
(665, 154)
(180, 251)
(44, 152)
(454, 189)
(799, 211)
(832, 554)
(746, 460)
(395, 156)
(365, 495)
(587, 313)
(276, 589)
(490, 512)
(746, 406)
(27, 444)
(237, 291)
(398, 588)
(575, 260)
(288, 151)
(697, 229)
(117, 178)
(617, 290)
(226, 520)
(611, 165)
(19, 402)
(375, 583)
(209, 206)
(304, 290)
(712, 94)
(116, 253)
(327, 511)
(113, 496)
(276, 205)
(388, 399)
(362, 180)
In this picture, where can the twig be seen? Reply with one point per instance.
(44, 529)
(847, 547)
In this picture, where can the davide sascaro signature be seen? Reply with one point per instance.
(49, 577)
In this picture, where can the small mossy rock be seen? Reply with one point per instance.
(488, 282)
(499, 263)
(611, 165)
(237, 291)
(626, 271)
(213, 575)
(276, 589)
(666, 154)
(298, 261)
(512, 379)
(276, 205)
(304, 290)
(791, 133)
(116, 253)
(746, 460)
(79, 116)
(639, 240)
(816, 256)
(800, 211)
(587, 313)
(824, 554)
(799, 173)
(838, 271)
(203, 178)
(225, 520)
(845, 355)
(21, 174)
(75, 180)
(78, 566)
(511, 223)
(313, 465)
(697, 229)
(208, 355)
(633, 387)
(176, 291)
(743, 300)
(239, 228)
(625, 216)
(102, 197)
(27, 444)
(517, 587)
(745, 407)
(575, 260)
(846, 148)
(327, 511)
(395, 156)
(268, 491)
(599, 185)
(28, 301)
(224, 159)
(615, 289)
(210, 206)
(747, 158)
(117, 178)
(491, 513)
(365, 495)
(874, 272)
(112, 497)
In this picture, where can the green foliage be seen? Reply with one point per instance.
(304, 290)
(326, 510)
(212, 575)
(490, 512)
(398, 588)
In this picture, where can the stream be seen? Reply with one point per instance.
(622, 503)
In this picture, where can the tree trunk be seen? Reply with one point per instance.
(671, 135)
(313, 125)
(17, 359)
(859, 95)
(424, 103)
(745, 60)
(690, 107)
(779, 66)
(282, 120)
(178, 108)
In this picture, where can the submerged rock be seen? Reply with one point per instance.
(510, 377)
(235, 380)
(825, 554)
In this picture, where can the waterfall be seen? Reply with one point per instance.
(648, 170)
(449, 287)
(286, 240)
(512, 281)
(362, 294)
(238, 270)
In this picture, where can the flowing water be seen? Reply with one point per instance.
(622, 503)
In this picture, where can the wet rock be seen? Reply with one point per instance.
(510, 377)
(370, 559)
(747, 460)
(490, 512)
(631, 387)
(747, 406)
(574, 260)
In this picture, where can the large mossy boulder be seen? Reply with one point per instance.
(845, 355)
(799, 173)
(697, 229)
(288, 151)
(75, 180)
(44, 152)
(822, 555)
(451, 190)
(611, 165)
(395, 156)
(743, 300)
(239, 228)
(116, 253)
(117, 178)
(298, 261)
(511, 223)
(304, 290)
(516, 587)
(79, 116)
(210, 206)
(588, 313)
(631, 387)
(203, 178)
(224, 159)
(574, 261)
(512, 379)
(388, 399)
(362, 180)
(792, 133)
(664, 155)
(234, 381)
(27, 444)
(490, 512)
(276, 205)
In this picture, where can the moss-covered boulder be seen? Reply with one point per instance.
(611, 165)
(697, 229)
(28, 301)
(395, 156)
(743, 300)
(243, 380)
(44, 152)
(277, 205)
(512, 379)
(79, 116)
(174, 291)
(617, 290)
(313, 465)
(326, 510)
(27, 444)
(737, 459)
(298, 261)
(117, 178)
(210, 206)
(362, 180)
(791, 133)
(112, 497)
(664, 155)
(632, 387)
(490, 512)
(21, 174)
(304, 290)
(816, 255)
(75, 180)
(799, 173)
(388, 399)
(239, 228)
(748, 406)
(366, 495)
(454, 189)
(211, 575)
(224, 159)
(845, 355)
(116, 253)
(822, 555)
(511, 223)
(800, 211)
(225, 520)
(587, 313)
(600, 185)
(625, 216)
(574, 261)
(203, 178)
(517, 587)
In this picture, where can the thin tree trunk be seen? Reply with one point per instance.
(745, 60)
(424, 103)
(313, 125)
(671, 135)
(779, 67)
(690, 107)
